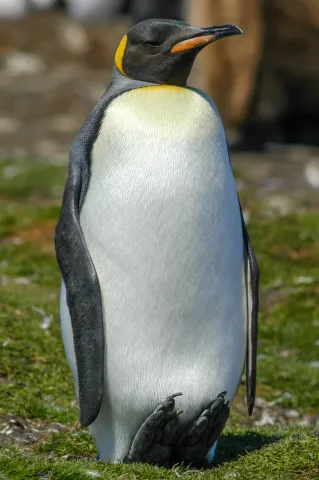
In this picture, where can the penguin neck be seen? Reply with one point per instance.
(128, 83)
(119, 79)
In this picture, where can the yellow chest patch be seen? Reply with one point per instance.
(163, 111)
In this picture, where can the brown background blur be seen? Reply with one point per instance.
(265, 82)
(267, 79)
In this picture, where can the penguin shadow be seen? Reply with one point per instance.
(231, 447)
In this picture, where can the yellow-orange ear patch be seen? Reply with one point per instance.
(192, 43)
(120, 54)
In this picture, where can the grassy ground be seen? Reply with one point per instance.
(38, 413)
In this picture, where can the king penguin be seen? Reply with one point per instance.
(159, 297)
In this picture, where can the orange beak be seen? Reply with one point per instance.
(205, 36)
(192, 43)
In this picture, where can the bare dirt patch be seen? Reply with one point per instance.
(25, 432)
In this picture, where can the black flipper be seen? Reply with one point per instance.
(83, 299)
(78, 272)
(252, 296)
(252, 287)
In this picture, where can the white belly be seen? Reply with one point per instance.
(162, 225)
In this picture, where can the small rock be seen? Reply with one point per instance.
(314, 364)
(261, 402)
(291, 414)
(5, 429)
(46, 322)
(6, 342)
(93, 473)
(21, 63)
(312, 174)
(17, 241)
(317, 343)
(309, 421)
(303, 280)
(266, 419)
(53, 430)
(282, 398)
(22, 280)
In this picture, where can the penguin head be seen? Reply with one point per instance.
(163, 51)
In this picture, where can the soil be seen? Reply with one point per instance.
(25, 432)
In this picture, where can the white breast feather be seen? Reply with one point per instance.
(162, 224)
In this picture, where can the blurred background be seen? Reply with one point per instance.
(56, 59)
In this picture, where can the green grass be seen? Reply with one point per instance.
(35, 382)
(25, 179)
(264, 454)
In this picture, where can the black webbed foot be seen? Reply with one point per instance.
(195, 444)
(154, 441)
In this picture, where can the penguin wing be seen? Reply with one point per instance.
(83, 292)
(252, 287)
(252, 302)
(83, 295)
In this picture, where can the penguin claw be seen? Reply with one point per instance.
(154, 441)
(195, 444)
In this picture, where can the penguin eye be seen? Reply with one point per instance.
(150, 43)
